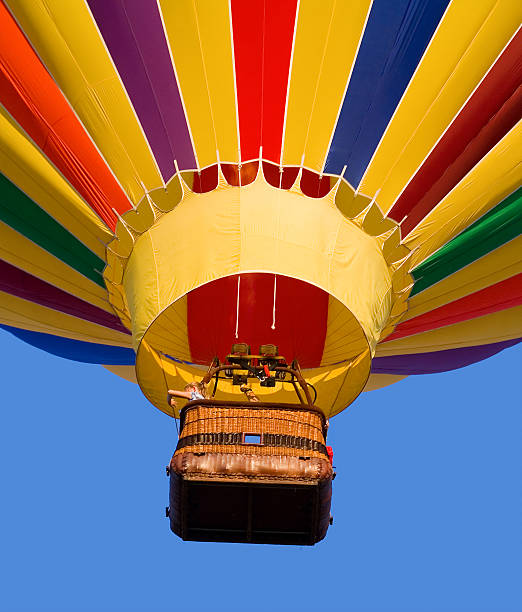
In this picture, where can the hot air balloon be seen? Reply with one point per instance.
(317, 198)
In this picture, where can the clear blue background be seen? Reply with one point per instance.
(427, 502)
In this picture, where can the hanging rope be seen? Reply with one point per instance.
(237, 306)
(274, 307)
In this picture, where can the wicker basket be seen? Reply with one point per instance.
(282, 429)
(225, 489)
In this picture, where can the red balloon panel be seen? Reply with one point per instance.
(301, 313)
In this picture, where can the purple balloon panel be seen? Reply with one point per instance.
(438, 361)
(27, 287)
(133, 32)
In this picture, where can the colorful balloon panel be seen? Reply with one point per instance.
(134, 36)
(32, 98)
(394, 39)
(286, 304)
(413, 107)
(261, 70)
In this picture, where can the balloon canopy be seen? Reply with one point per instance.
(341, 179)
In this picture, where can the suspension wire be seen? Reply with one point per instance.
(274, 307)
(237, 305)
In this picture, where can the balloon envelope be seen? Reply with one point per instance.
(340, 179)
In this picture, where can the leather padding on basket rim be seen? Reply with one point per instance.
(256, 467)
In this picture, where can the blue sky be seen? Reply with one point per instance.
(427, 502)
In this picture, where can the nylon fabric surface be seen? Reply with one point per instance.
(200, 42)
(262, 63)
(26, 217)
(466, 44)
(157, 373)
(303, 238)
(416, 102)
(495, 267)
(170, 331)
(76, 350)
(493, 179)
(394, 40)
(488, 115)
(124, 371)
(378, 381)
(256, 315)
(18, 312)
(65, 36)
(325, 47)
(438, 361)
(23, 285)
(26, 86)
(497, 227)
(23, 253)
(27, 168)
(486, 329)
(506, 294)
(294, 237)
(134, 35)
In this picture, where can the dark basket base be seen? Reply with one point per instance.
(264, 499)
(249, 511)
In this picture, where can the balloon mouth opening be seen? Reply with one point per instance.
(254, 308)
(192, 273)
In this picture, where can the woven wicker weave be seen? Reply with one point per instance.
(299, 430)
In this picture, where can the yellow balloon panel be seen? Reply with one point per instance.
(296, 236)
(500, 264)
(25, 166)
(199, 36)
(28, 256)
(336, 386)
(23, 314)
(495, 177)
(494, 327)
(326, 41)
(65, 36)
(467, 42)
